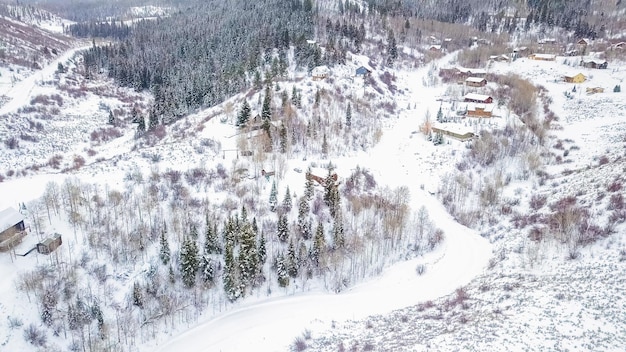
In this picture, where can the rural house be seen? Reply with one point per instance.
(583, 42)
(475, 82)
(477, 98)
(320, 72)
(452, 130)
(594, 90)
(542, 57)
(12, 229)
(499, 58)
(577, 78)
(479, 110)
(594, 63)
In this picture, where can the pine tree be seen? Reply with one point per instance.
(244, 114)
(193, 232)
(338, 236)
(111, 118)
(284, 98)
(170, 274)
(282, 228)
(287, 201)
(281, 271)
(207, 269)
(273, 196)
(349, 116)
(248, 257)
(137, 295)
(392, 49)
(294, 96)
(262, 251)
(329, 184)
(617, 89)
(165, 253)
(308, 186)
(283, 138)
(292, 260)
(303, 218)
(440, 115)
(189, 261)
(266, 110)
(231, 274)
(141, 125)
(211, 244)
(319, 244)
(324, 146)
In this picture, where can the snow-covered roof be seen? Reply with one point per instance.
(320, 70)
(457, 128)
(485, 107)
(435, 47)
(9, 217)
(309, 41)
(474, 79)
(594, 60)
(545, 56)
(477, 97)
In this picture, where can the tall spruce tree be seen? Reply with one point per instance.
(244, 114)
(281, 271)
(232, 286)
(349, 116)
(164, 253)
(286, 205)
(319, 244)
(189, 262)
(282, 228)
(292, 260)
(248, 256)
(211, 243)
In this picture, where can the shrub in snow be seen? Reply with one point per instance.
(420, 269)
(35, 336)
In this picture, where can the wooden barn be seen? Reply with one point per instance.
(50, 244)
(320, 72)
(475, 82)
(12, 229)
(577, 78)
(477, 98)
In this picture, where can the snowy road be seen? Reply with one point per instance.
(19, 95)
(273, 324)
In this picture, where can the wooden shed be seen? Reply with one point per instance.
(460, 135)
(542, 57)
(594, 63)
(50, 244)
(476, 82)
(477, 98)
(320, 72)
(12, 229)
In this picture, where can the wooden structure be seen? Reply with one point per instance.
(480, 110)
(499, 58)
(594, 90)
(477, 98)
(320, 72)
(267, 174)
(12, 229)
(435, 48)
(577, 78)
(521, 51)
(583, 42)
(320, 180)
(594, 63)
(50, 244)
(475, 82)
(542, 57)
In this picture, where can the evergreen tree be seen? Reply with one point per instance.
(262, 251)
(170, 274)
(440, 115)
(111, 118)
(141, 125)
(303, 218)
(154, 119)
(324, 146)
(207, 269)
(349, 116)
(317, 98)
(231, 274)
(283, 138)
(617, 89)
(287, 200)
(308, 186)
(193, 232)
(165, 253)
(392, 49)
(244, 114)
(248, 257)
(281, 271)
(282, 228)
(319, 244)
(292, 260)
(329, 185)
(273, 196)
(266, 109)
(211, 244)
(189, 261)
(338, 236)
(284, 98)
(137, 295)
(294, 97)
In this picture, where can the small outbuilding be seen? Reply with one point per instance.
(475, 82)
(50, 244)
(363, 72)
(480, 110)
(12, 229)
(542, 57)
(577, 78)
(594, 63)
(594, 90)
(477, 98)
(320, 72)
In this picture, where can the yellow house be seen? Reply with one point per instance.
(578, 78)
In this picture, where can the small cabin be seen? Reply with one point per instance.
(50, 244)
(594, 90)
(320, 72)
(594, 63)
(475, 82)
(477, 98)
(12, 229)
(578, 78)
(499, 58)
(480, 110)
(460, 135)
(583, 42)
